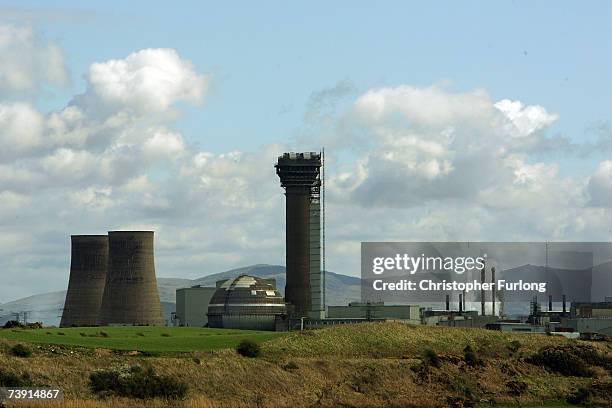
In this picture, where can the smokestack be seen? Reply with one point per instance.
(88, 265)
(130, 295)
(464, 296)
(299, 176)
(550, 303)
(447, 302)
(564, 306)
(482, 291)
(494, 288)
(461, 300)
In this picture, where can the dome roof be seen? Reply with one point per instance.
(248, 291)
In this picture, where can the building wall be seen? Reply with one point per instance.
(192, 306)
(364, 311)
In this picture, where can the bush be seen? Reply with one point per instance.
(248, 348)
(570, 360)
(103, 334)
(514, 346)
(470, 357)
(517, 387)
(432, 358)
(136, 382)
(165, 334)
(12, 324)
(20, 350)
(11, 379)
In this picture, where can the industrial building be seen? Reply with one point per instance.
(300, 176)
(375, 311)
(88, 266)
(192, 306)
(130, 294)
(246, 302)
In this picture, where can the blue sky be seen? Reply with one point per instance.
(266, 58)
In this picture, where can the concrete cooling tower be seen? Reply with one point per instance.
(88, 265)
(131, 296)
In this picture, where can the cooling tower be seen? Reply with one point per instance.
(130, 295)
(88, 265)
(299, 175)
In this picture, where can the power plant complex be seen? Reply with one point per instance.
(112, 281)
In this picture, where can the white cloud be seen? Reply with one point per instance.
(145, 82)
(27, 62)
(525, 119)
(21, 129)
(599, 186)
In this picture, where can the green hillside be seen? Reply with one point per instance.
(151, 339)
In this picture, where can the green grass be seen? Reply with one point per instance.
(150, 339)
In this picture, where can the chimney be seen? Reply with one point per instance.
(493, 290)
(564, 306)
(482, 291)
(447, 302)
(461, 300)
(550, 303)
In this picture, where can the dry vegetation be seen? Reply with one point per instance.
(373, 365)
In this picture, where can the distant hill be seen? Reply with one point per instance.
(47, 307)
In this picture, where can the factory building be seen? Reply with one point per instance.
(375, 311)
(300, 176)
(88, 265)
(245, 302)
(192, 306)
(130, 294)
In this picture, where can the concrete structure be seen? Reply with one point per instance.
(192, 305)
(130, 294)
(517, 327)
(299, 175)
(375, 311)
(245, 302)
(431, 317)
(88, 266)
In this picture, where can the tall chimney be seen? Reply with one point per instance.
(482, 291)
(494, 288)
(447, 302)
(461, 300)
(564, 306)
(550, 303)
(299, 175)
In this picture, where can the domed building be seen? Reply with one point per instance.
(245, 302)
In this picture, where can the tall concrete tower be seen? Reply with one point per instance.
(88, 265)
(299, 175)
(130, 295)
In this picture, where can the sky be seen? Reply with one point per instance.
(441, 121)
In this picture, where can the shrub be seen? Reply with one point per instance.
(103, 334)
(12, 324)
(430, 357)
(83, 334)
(291, 365)
(11, 379)
(136, 382)
(517, 387)
(248, 348)
(61, 333)
(20, 350)
(165, 334)
(470, 357)
(570, 360)
(140, 334)
(514, 346)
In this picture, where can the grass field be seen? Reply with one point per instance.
(367, 365)
(149, 339)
